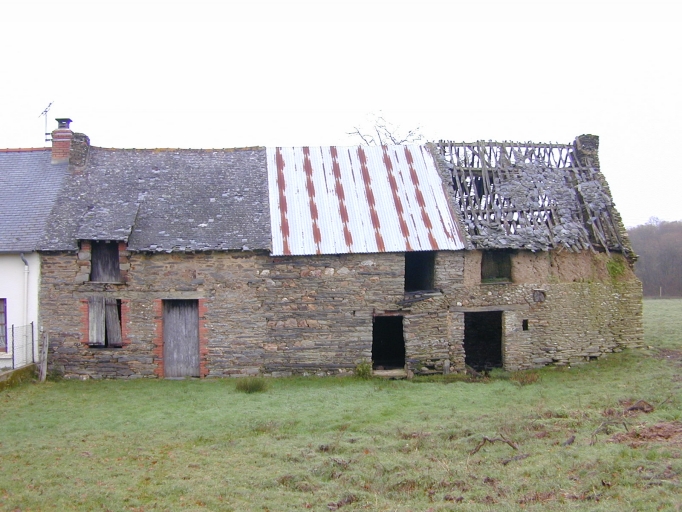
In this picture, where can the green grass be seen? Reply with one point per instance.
(352, 444)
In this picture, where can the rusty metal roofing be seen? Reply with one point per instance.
(366, 199)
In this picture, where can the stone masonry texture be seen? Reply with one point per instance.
(279, 316)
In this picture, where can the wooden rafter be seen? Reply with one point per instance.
(534, 196)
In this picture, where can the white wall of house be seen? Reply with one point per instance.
(20, 289)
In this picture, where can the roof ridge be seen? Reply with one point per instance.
(22, 150)
(159, 150)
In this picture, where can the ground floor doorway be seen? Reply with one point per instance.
(181, 338)
(483, 340)
(388, 343)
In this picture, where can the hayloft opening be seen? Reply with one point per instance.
(419, 270)
(496, 267)
(104, 262)
(483, 340)
(388, 343)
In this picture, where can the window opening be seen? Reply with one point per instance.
(105, 267)
(525, 325)
(3, 325)
(483, 340)
(388, 343)
(539, 296)
(419, 270)
(105, 322)
(496, 267)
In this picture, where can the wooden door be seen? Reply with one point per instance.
(181, 338)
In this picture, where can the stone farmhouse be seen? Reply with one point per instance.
(278, 261)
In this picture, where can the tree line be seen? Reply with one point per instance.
(659, 247)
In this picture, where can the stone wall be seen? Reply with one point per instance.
(261, 315)
(314, 315)
(575, 309)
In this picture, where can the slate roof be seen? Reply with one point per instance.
(165, 200)
(29, 184)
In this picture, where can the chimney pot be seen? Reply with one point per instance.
(63, 122)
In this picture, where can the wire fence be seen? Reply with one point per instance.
(22, 344)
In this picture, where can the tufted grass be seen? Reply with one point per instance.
(252, 385)
(351, 444)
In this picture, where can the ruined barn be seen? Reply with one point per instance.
(279, 261)
(548, 274)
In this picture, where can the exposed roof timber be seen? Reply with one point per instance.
(532, 196)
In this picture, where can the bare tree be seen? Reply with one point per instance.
(383, 133)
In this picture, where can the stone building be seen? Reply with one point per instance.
(280, 261)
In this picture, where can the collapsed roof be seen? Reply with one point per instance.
(534, 196)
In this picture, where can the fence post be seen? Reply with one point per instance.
(13, 351)
(43, 357)
(33, 346)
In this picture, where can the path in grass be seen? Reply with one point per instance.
(326, 444)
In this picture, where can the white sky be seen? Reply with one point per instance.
(203, 74)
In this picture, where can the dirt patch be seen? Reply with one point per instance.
(670, 354)
(669, 433)
(674, 356)
(632, 408)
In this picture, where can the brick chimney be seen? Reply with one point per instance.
(61, 141)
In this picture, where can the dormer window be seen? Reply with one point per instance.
(105, 266)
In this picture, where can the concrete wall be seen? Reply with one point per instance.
(22, 300)
(314, 315)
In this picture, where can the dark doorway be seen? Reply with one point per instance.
(181, 338)
(388, 344)
(483, 340)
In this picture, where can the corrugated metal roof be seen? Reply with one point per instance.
(366, 199)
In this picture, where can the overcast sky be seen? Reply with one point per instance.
(202, 74)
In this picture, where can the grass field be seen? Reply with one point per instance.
(563, 442)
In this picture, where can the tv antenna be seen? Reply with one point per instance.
(44, 113)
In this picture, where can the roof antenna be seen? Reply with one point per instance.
(44, 113)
